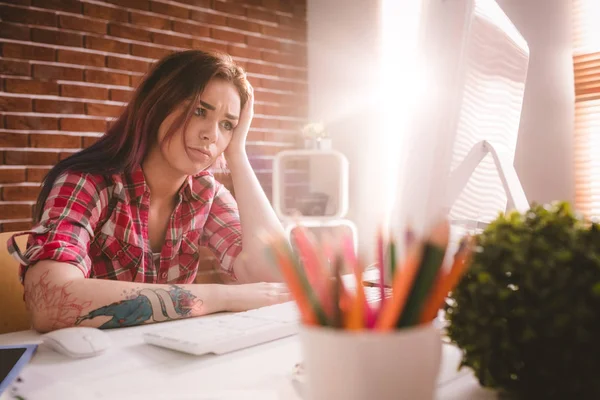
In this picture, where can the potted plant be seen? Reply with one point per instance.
(315, 136)
(527, 313)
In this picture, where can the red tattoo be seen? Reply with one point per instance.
(60, 307)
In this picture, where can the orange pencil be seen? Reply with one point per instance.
(446, 282)
(289, 275)
(403, 280)
(314, 266)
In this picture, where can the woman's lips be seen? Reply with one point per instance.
(200, 154)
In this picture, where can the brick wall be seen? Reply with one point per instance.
(68, 66)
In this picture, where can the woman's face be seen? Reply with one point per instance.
(208, 131)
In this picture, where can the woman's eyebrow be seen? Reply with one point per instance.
(212, 108)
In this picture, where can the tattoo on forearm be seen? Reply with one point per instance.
(149, 305)
(54, 301)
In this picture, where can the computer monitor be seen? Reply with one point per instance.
(459, 152)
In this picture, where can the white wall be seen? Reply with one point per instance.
(544, 158)
(343, 61)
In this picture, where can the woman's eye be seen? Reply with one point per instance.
(200, 112)
(228, 125)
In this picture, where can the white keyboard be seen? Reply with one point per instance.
(227, 333)
(220, 335)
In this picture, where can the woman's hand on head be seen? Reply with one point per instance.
(237, 146)
(256, 295)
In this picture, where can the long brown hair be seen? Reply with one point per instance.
(177, 78)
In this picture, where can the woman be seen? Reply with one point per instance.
(133, 209)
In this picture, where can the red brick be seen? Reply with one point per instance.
(291, 47)
(103, 110)
(263, 69)
(276, 32)
(16, 211)
(19, 226)
(89, 140)
(57, 106)
(15, 104)
(229, 8)
(208, 18)
(82, 125)
(12, 175)
(64, 155)
(129, 32)
(103, 12)
(135, 80)
(85, 92)
(121, 95)
(24, 122)
(106, 77)
(104, 44)
(128, 64)
(81, 58)
(11, 67)
(20, 193)
(138, 4)
(172, 40)
(244, 25)
(289, 125)
(156, 53)
(197, 3)
(36, 174)
(277, 5)
(265, 123)
(244, 52)
(13, 140)
(53, 72)
(292, 73)
(21, 2)
(261, 42)
(191, 29)
(168, 9)
(56, 37)
(82, 24)
(14, 50)
(40, 140)
(227, 36)
(261, 15)
(151, 21)
(14, 31)
(281, 58)
(27, 16)
(72, 6)
(206, 45)
(19, 157)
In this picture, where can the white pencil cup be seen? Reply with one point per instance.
(347, 365)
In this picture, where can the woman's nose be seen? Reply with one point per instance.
(210, 133)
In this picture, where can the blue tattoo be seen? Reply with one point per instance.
(157, 305)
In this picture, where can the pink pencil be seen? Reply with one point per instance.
(369, 314)
(381, 263)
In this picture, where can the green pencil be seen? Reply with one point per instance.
(433, 257)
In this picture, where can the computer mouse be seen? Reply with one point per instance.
(78, 342)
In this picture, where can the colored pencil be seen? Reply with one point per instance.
(447, 281)
(433, 257)
(403, 281)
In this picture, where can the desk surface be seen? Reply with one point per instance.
(132, 369)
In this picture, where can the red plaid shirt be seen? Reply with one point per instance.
(100, 225)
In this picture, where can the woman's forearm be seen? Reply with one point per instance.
(58, 296)
(256, 215)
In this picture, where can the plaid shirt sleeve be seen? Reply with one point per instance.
(223, 231)
(71, 212)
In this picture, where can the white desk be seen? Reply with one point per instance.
(134, 370)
